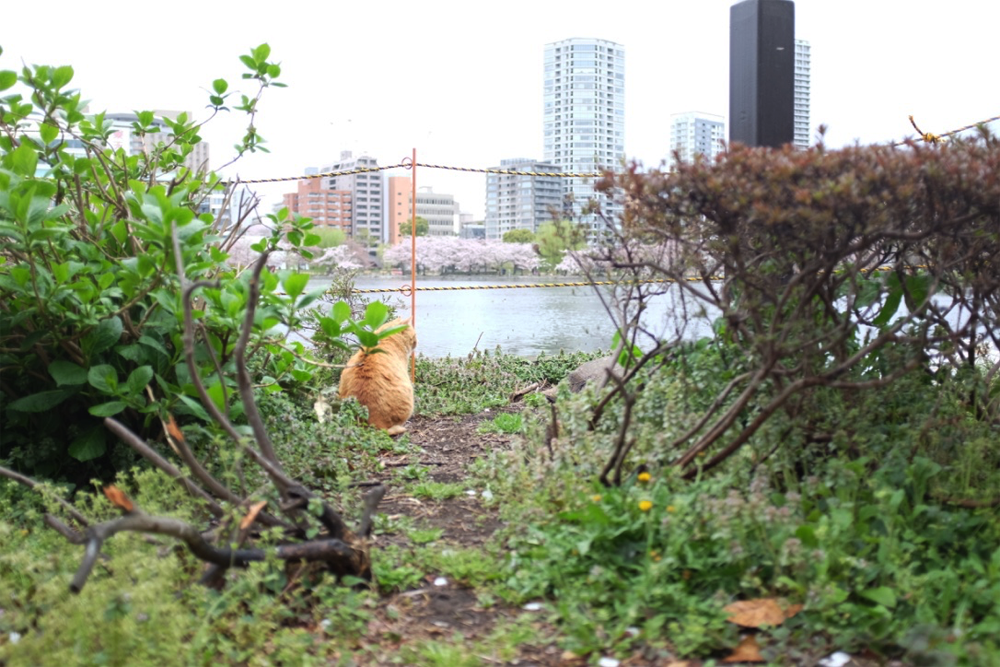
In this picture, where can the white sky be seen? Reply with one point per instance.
(462, 82)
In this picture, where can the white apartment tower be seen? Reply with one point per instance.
(802, 75)
(695, 133)
(366, 190)
(584, 116)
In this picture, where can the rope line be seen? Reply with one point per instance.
(405, 289)
(408, 165)
(932, 138)
(928, 137)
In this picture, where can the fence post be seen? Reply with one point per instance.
(413, 260)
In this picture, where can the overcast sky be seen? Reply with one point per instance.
(462, 82)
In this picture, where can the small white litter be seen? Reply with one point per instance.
(487, 495)
(532, 606)
(440, 581)
(838, 659)
(608, 662)
(14, 637)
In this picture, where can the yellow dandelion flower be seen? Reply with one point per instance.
(655, 555)
(645, 505)
(671, 509)
(596, 497)
(644, 477)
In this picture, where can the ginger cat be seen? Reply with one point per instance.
(381, 381)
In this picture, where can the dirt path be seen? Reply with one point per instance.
(441, 610)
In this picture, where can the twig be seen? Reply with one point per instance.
(32, 484)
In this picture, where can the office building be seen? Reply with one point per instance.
(521, 201)
(366, 192)
(695, 133)
(762, 72)
(584, 117)
(803, 66)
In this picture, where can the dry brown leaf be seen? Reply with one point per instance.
(118, 498)
(252, 514)
(747, 651)
(761, 611)
(173, 430)
(793, 609)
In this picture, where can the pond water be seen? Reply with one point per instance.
(524, 321)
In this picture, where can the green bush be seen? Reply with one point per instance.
(98, 248)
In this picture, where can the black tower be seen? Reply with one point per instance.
(762, 72)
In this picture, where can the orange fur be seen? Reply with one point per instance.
(381, 381)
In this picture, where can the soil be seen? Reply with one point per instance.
(441, 609)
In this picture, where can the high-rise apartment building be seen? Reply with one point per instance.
(521, 201)
(584, 115)
(803, 66)
(327, 208)
(695, 133)
(366, 193)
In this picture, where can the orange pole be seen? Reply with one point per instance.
(413, 260)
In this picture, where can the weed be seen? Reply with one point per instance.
(505, 422)
(425, 536)
(438, 490)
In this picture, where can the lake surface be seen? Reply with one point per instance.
(525, 321)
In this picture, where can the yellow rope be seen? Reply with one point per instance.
(406, 165)
(932, 138)
(405, 289)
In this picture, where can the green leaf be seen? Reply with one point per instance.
(139, 378)
(889, 308)
(90, 445)
(882, 595)
(219, 86)
(273, 71)
(7, 79)
(261, 53)
(341, 312)
(48, 133)
(295, 284)
(308, 299)
(376, 314)
(329, 326)
(367, 338)
(24, 160)
(107, 409)
(917, 288)
(217, 395)
(62, 75)
(808, 536)
(119, 231)
(67, 373)
(41, 401)
(103, 336)
(248, 61)
(195, 408)
(103, 378)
